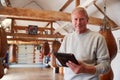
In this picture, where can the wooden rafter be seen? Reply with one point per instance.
(111, 22)
(26, 43)
(26, 27)
(27, 39)
(8, 3)
(34, 14)
(77, 3)
(66, 5)
(95, 21)
(42, 15)
(63, 7)
(23, 38)
(23, 35)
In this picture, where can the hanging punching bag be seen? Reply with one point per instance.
(112, 47)
(3, 49)
(3, 43)
(55, 46)
(45, 51)
(46, 48)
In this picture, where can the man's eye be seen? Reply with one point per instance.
(75, 19)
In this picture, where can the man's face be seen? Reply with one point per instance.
(79, 21)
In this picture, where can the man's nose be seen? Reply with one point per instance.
(79, 21)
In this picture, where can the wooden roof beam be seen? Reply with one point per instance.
(77, 3)
(62, 8)
(44, 15)
(66, 5)
(26, 27)
(111, 22)
(27, 39)
(8, 3)
(25, 43)
(23, 35)
(87, 3)
(34, 14)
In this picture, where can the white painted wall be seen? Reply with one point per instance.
(116, 61)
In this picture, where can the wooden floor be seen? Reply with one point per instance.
(32, 74)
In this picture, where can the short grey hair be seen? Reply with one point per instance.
(80, 9)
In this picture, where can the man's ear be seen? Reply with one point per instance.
(87, 19)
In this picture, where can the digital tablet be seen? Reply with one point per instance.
(65, 57)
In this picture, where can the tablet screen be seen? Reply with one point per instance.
(65, 57)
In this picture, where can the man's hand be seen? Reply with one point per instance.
(81, 68)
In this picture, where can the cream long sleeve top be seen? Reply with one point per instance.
(90, 48)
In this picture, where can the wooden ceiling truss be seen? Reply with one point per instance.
(41, 15)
